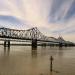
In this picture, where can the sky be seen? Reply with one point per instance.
(52, 17)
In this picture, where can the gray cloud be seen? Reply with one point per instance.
(53, 16)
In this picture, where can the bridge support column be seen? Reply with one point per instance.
(34, 43)
(43, 44)
(60, 44)
(65, 45)
(6, 43)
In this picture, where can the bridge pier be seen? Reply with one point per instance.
(34, 43)
(65, 45)
(43, 44)
(60, 44)
(6, 43)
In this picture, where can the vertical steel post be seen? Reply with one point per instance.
(51, 63)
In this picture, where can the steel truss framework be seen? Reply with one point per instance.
(29, 34)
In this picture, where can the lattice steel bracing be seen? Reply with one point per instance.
(29, 34)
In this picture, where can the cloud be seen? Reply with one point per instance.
(52, 17)
(12, 22)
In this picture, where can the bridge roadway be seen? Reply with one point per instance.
(33, 35)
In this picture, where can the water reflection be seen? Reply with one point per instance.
(33, 61)
(60, 48)
(51, 73)
(43, 47)
(60, 53)
(34, 48)
(34, 51)
(6, 50)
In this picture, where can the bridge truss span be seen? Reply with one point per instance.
(33, 35)
(29, 34)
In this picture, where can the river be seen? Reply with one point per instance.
(22, 60)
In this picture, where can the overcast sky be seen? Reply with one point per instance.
(52, 17)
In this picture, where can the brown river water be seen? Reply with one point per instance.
(22, 60)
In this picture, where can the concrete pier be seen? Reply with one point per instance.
(44, 44)
(34, 43)
(6, 43)
(60, 44)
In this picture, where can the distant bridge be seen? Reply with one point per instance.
(33, 35)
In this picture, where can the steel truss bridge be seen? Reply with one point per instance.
(33, 35)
